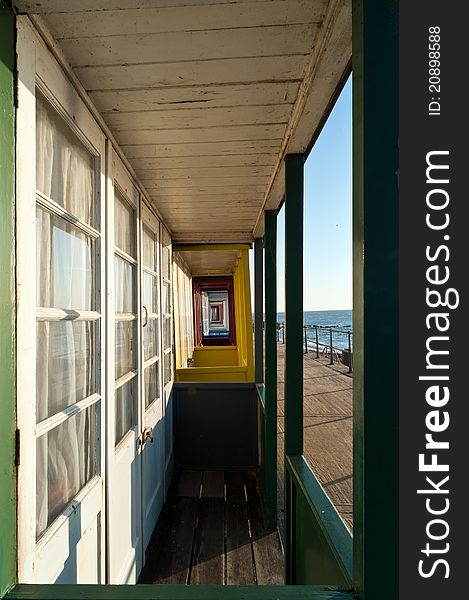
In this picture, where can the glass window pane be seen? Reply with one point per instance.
(65, 261)
(150, 292)
(149, 249)
(166, 298)
(126, 408)
(65, 170)
(167, 368)
(124, 225)
(125, 347)
(65, 367)
(152, 383)
(166, 255)
(124, 286)
(151, 339)
(66, 460)
(166, 333)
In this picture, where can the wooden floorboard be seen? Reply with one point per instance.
(213, 484)
(169, 554)
(239, 558)
(212, 531)
(189, 484)
(268, 556)
(209, 545)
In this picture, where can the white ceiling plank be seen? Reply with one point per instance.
(202, 149)
(182, 184)
(187, 162)
(193, 73)
(196, 192)
(73, 6)
(191, 46)
(123, 101)
(139, 21)
(188, 118)
(193, 173)
(211, 134)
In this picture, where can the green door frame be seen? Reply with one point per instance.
(270, 409)
(7, 303)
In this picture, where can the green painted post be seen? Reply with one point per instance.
(270, 274)
(375, 304)
(293, 363)
(258, 310)
(7, 303)
(294, 304)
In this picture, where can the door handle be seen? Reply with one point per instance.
(145, 323)
(147, 434)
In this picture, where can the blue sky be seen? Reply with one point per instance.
(328, 215)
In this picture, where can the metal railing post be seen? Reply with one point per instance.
(306, 341)
(330, 335)
(317, 342)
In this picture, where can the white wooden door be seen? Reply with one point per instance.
(60, 323)
(153, 432)
(124, 547)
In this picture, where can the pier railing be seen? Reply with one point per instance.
(314, 336)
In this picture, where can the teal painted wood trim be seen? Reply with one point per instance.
(176, 592)
(270, 427)
(7, 303)
(323, 544)
(259, 310)
(376, 297)
(294, 174)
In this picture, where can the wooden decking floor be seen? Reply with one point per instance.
(211, 531)
(327, 427)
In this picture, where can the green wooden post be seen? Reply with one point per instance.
(294, 304)
(270, 274)
(258, 310)
(375, 304)
(293, 363)
(7, 304)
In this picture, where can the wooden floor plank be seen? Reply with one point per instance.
(169, 552)
(208, 559)
(189, 484)
(268, 556)
(239, 561)
(213, 484)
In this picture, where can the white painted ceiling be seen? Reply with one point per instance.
(206, 96)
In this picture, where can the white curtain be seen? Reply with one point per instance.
(65, 349)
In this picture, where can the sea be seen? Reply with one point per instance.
(337, 319)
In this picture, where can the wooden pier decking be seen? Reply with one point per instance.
(211, 531)
(328, 423)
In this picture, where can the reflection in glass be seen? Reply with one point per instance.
(65, 367)
(151, 383)
(151, 339)
(166, 333)
(65, 461)
(167, 368)
(65, 170)
(166, 255)
(65, 259)
(124, 286)
(149, 249)
(126, 408)
(124, 225)
(166, 298)
(125, 355)
(150, 292)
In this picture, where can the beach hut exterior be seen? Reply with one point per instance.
(146, 147)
